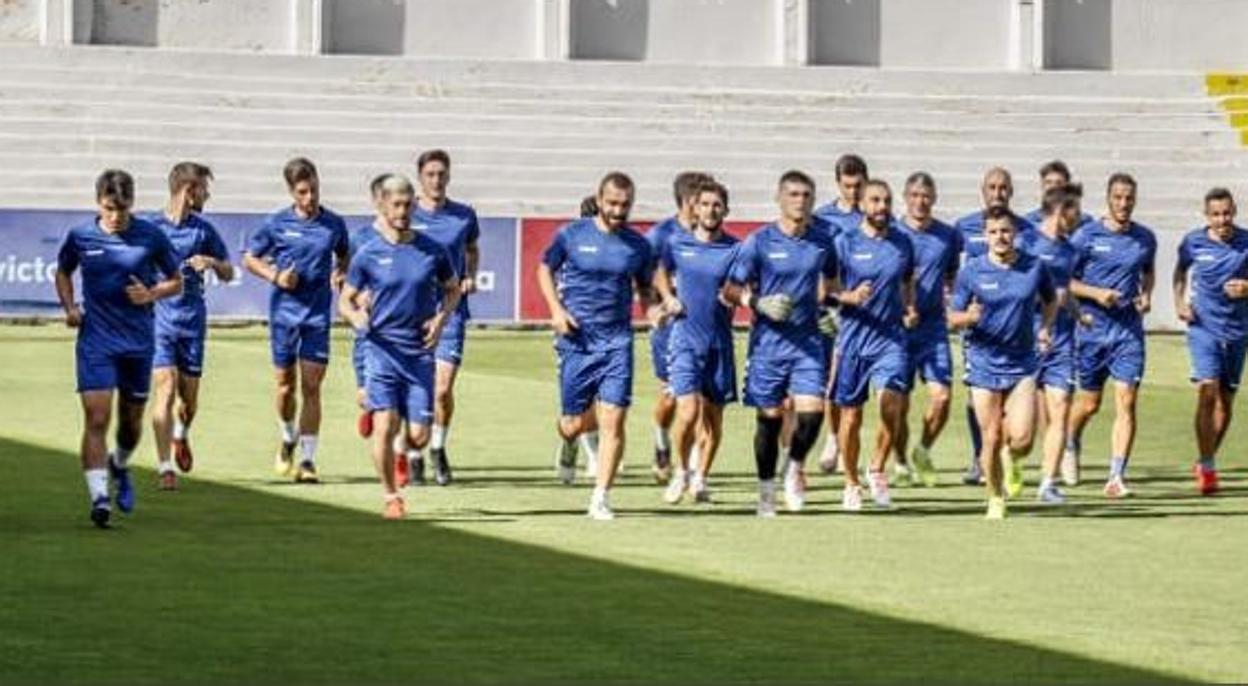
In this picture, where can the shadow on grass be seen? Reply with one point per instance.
(223, 584)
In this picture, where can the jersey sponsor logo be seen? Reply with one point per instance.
(291, 233)
(592, 249)
(1205, 257)
(93, 253)
(989, 285)
(686, 253)
(420, 227)
(778, 255)
(1102, 247)
(385, 261)
(864, 256)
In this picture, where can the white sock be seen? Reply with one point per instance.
(412, 454)
(97, 483)
(767, 488)
(121, 457)
(1045, 484)
(600, 493)
(695, 459)
(437, 440)
(399, 445)
(165, 467)
(662, 440)
(793, 468)
(307, 448)
(589, 443)
(831, 449)
(179, 430)
(288, 431)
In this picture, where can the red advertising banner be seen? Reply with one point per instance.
(536, 234)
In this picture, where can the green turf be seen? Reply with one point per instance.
(240, 577)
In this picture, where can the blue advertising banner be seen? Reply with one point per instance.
(29, 240)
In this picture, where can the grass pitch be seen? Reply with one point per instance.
(241, 577)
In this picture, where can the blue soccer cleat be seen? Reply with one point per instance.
(125, 488)
(100, 512)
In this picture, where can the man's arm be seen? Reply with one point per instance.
(1182, 308)
(562, 320)
(472, 259)
(65, 293)
(351, 308)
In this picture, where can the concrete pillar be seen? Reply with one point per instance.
(793, 32)
(554, 29)
(308, 23)
(56, 22)
(1022, 36)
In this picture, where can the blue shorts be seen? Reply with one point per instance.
(769, 379)
(586, 376)
(996, 374)
(292, 342)
(1119, 355)
(931, 358)
(1216, 359)
(1057, 369)
(359, 358)
(451, 343)
(658, 351)
(130, 373)
(404, 385)
(184, 352)
(711, 373)
(888, 368)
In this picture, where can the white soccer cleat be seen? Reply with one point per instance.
(851, 498)
(676, 487)
(565, 462)
(878, 482)
(794, 487)
(767, 499)
(600, 509)
(1070, 467)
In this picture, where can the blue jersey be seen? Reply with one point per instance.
(839, 220)
(887, 262)
(661, 233)
(975, 243)
(1058, 256)
(308, 245)
(1005, 334)
(454, 226)
(360, 237)
(772, 262)
(186, 315)
(595, 271)
(937, 251)
(1212, 263)
(404, 281)
(111, 323)
(1117, 260)
(699, 271)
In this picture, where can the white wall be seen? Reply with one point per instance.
(252, 25)
(698, 31)
(1180, 34)
(963, 34)
(19, 21)
(504, 29)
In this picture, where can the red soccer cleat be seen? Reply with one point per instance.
(182, 454)
(401, 474)
(364, 424)
(1206, 479)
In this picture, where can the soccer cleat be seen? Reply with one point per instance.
(676, 487)
(168, 481)
(697, 486)
(416, 470)
(101, 512)
(364, 424)
(125, 487)
(402, 473)
(830, 459)
(851, 498)
(600, 509)
(974, 475)
(1206, 479)
(565, 461)
(441, 467)
(766, 499)
(306, 474)
(878, 482)
(662, 467)
(1050, 495)
(794, 487)
(394, 509)
(921, 459)
(284, 461)
(1070, 466)
(182, 454)
(1013, 473)
(1116, 488)
(996, 508)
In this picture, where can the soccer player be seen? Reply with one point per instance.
(937, 247)
(995, 300)
(842, 214)
(182, 321)
(454, 226)
(1055, 377)
(1053, 174)
(996, 191)
(684, 191)
(1113, 279)
(127, 264)
(588, 276)
(302, 250)
(413, 290)
(690, 279)
(357, 239)
(786, 268)
(1216, 258)
(875, 265)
